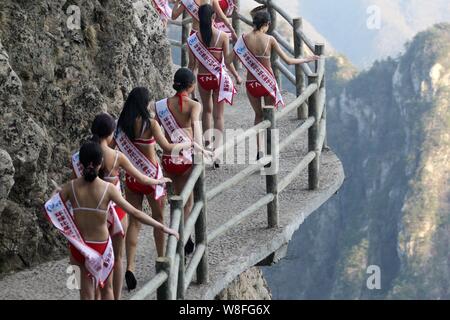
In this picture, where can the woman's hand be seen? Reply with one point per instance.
(164, 180)
(238, 80)
(172, 232)
(312, 58)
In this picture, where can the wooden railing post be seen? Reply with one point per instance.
(184, 37)
(302, 111)
(163, 292)
(201, 236)
(236, 22)
(176, 203)
(313, 135)
(272, 177)
(274, 55)
(320, 50)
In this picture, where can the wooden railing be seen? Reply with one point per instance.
(173, 276)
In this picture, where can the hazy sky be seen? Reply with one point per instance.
(344, 23)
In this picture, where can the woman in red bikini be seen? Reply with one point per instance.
(217, 43)
(143, 132)
(103, 128)
(180, 118)
(90, 197)
(192, 7)
(260, 46)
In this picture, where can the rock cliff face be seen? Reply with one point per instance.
(249, 285)
(390, 126)
(58, 69)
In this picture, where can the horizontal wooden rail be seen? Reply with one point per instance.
(297, 170)
(238, 218)
(190, 223)
(245, 20)
(189, 186)
(283, 42)
(310, 44)
(177, 43)
(297, 102)
(193, 264)
(238, 139)
(284, 70)
(278, 9)
(151, 286)
(231, 182)
(297, 133)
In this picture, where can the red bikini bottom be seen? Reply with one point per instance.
(208, 82)
(256, 89)
(136, 187)
(177, 169)
(100, 247)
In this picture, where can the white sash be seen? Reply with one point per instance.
(192, 7)
(99, 266)
(216, 67)
(114, 224)
(258, 70)
(140, 161)
(163, 8)
(177, 134)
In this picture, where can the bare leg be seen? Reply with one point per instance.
(218, 119)
(257, 107)
(107, 291)
(134, 226)
(87, 286)
(207, 103)
(119, 246)
(157, 207)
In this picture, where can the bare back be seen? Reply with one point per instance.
(216, 47)
(90, 201)
(143, 132)
(183, 115)
(260, 44)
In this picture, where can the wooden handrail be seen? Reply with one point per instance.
(173, 277)
(239, 217)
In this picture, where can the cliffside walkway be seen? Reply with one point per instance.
(240, 217)
(243, 246)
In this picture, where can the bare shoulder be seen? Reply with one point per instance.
(195, 105)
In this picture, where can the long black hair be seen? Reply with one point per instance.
(91, 156)
(135, 106)
(205, 14)
(260, 19)
(102, 127)
(183, 79)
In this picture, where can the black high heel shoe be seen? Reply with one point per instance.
(131, 281)
(189, 247)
